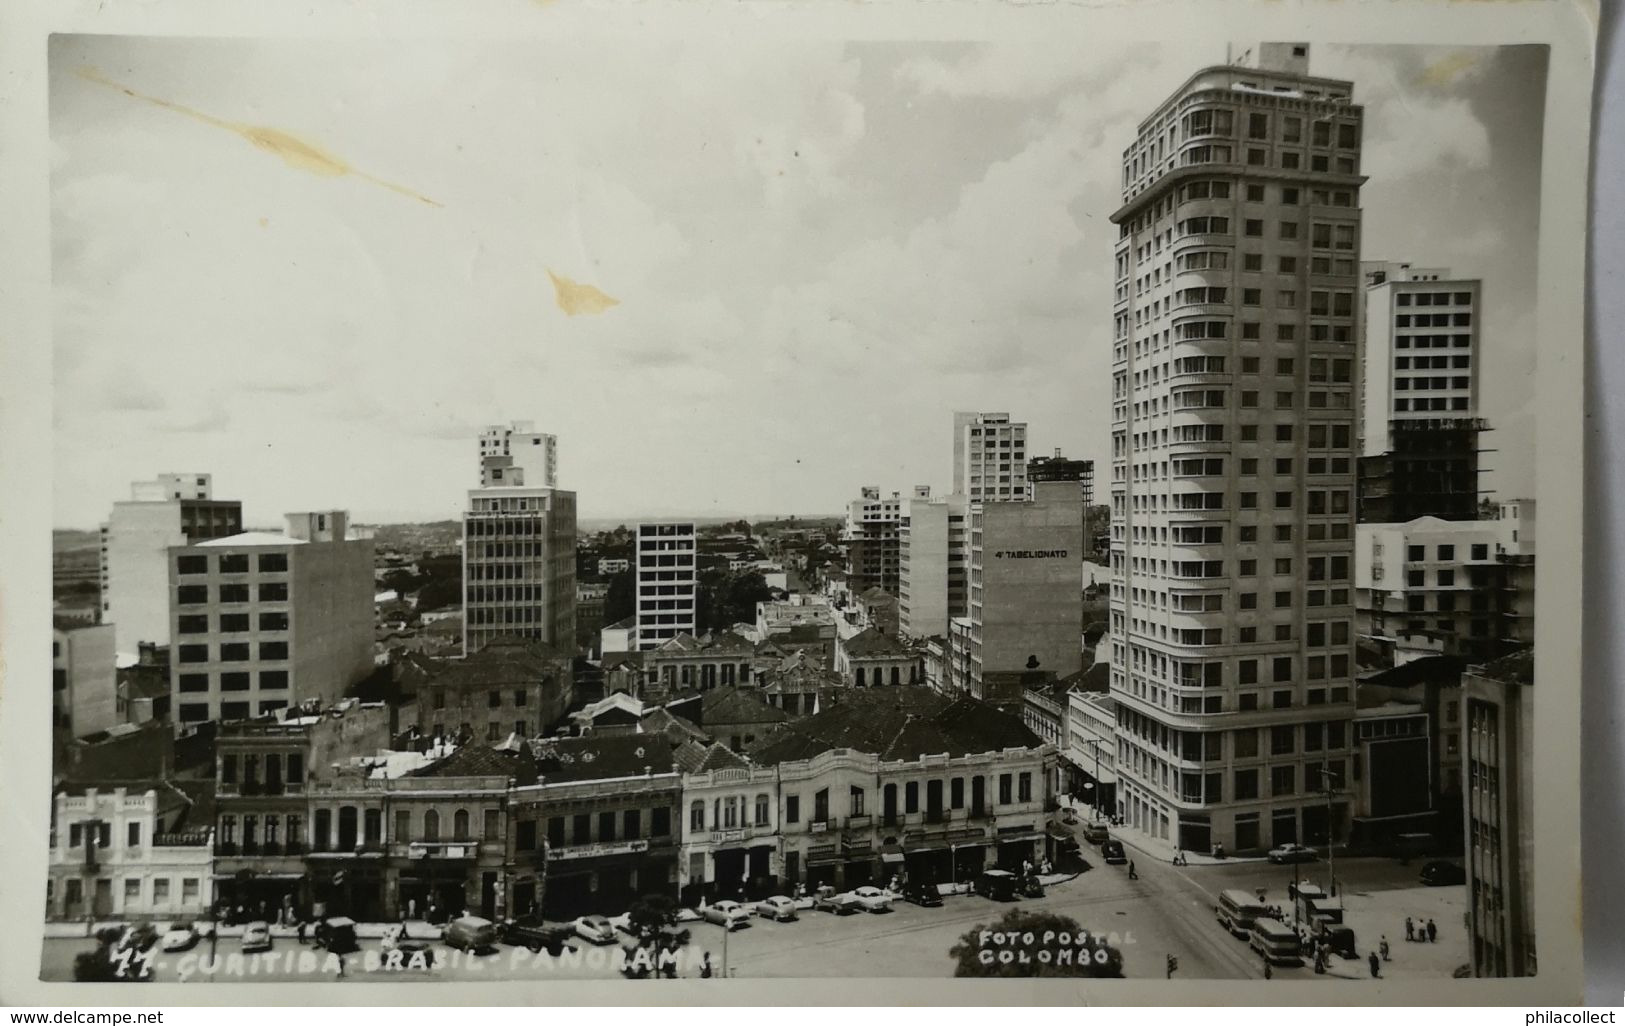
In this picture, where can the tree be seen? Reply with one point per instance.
(726, 598)
(1026, 943)
(653, 916)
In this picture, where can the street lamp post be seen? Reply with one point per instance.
(1326, 782)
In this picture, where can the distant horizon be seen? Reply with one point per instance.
(613, 521)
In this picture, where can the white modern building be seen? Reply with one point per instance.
(1447, 587)
(990, 457)
(172, 509)
(667, 582)
(84, 677)
(1235, 333)
(1421, 349)
(517, 455)
(934, 560)
(519, 541)
(266, 621)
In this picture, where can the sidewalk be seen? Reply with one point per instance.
(1156, 848)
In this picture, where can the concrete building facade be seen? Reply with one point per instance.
(933, 565)
(872, 539)
(84, 677)
(1025, 602)
(990, 457)
(174, 509)
(667, 582)
(1447, 587)
(1235, 339)
(1420, 370)
(519, 565)
(130, 850)
(267, 621)
(516, 455)
(1498, 743)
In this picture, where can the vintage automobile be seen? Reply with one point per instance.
(872, 899)
(777, 908)
(1285, 854)
(828, 900)
(922, 893)
(730, 915)
(595, 929)
(1443, 874)
(531, 932)
(178, 937)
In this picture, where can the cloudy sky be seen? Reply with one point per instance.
(818, 252)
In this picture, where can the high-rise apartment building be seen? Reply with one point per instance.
(933, 562)
(990, 457)
(519, 543)
(1236, 323)
(1419, 426)
(1498, 746)
(171, 509)
(667, 582)
(871, 540)
(517, 455)
(266, 621)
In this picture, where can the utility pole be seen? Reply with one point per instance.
(1331, 858)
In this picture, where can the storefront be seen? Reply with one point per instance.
(434, 884)
(743, 869)
(859, 862)
(605, 879)
(1017, 846)
(823, 866)
(247, 895)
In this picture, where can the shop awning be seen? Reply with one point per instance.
(891, 853)
(259, 876)
(1030, 835)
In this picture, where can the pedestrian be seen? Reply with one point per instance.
(1410, 929)
(1433, 932)
(705, 966)
(1376, 966)
(1269, 972)
(301, 931)
(1132, 873)
(341, 965)
(1383, 947)
(412, 908)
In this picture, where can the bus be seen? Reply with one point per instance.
(1276, 941)
(1237, 910)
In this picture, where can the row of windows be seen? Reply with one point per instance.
(198, 712)
(240, 680)
(231, 623)
(621, 825)
(232, 563)
(235, 652)
(198, 594)
(73, 891)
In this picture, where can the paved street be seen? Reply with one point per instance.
(1168, 910)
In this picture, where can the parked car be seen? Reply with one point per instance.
(531, 932)
(730, 915)
(178, 937)
(922, 893)
(1111, 851)
(138, 937)
(1096, 832)
(827, 900)
(257, 936)
(872, 899)
(595, 929)
(470, 933)
(777, 908)
(1290, 852)
(1443, 874)
(1066, 815)
(997, 885)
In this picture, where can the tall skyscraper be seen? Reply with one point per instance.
(667, 582)
(1419, 429)
(1236, 323)
(990, 457)
(519, 544)
(172, 509)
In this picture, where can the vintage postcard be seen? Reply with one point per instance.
(979, 503)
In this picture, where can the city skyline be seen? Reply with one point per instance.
(322, 402)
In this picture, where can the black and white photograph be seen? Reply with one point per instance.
(597, 508)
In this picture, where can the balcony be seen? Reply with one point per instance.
(192, 839)
(859, 822)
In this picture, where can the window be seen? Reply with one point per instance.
(273, 562)
(194, 624)
(856, 796)
(763, 810)
(696, 814)
(581, 828)
(1004, 788)
(274, 680)
(234, 593)
(191, 564)
(1282, 741)
(1246, 784)
(660, 822)
(821, 805)
(271, 650)
(792, 808)
(1024, 790)
(1252, 261)
(631, 825)
(192, 595)
(555, 831)
(273, 621)
(1283, 780)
